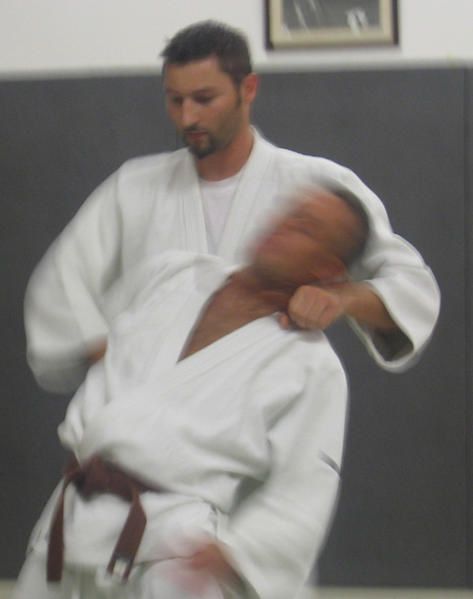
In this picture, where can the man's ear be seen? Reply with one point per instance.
(249, 87)
(330, 270)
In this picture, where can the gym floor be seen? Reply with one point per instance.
(347, 593)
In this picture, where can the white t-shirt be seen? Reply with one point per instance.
(217, 199)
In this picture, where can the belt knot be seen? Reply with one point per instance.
(93, 477)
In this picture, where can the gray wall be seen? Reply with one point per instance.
(404, 516)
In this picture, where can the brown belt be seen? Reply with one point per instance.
(98, 476)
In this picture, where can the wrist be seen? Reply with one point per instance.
(360, 302)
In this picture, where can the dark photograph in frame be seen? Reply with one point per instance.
(330, 23)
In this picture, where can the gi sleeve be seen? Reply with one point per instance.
(63, 315)
(275, 536)
(397, 273)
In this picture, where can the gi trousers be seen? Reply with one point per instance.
(167, 579)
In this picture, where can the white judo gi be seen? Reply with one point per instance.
(260, 408)
(153, 204)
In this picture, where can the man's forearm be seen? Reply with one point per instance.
(361, 303)
(314, 307)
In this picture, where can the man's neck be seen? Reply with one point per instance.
(263, 297)
(228, 161)
(241, 300)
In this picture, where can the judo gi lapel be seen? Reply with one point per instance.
(247, 201)
(203, 281)
(203, 285)
(247, 338)
(190, 206)
(112, 420)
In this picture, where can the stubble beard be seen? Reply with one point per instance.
(216, 142)
(202, 151)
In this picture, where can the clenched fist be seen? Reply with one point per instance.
(313, 308)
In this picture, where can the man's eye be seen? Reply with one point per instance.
(307, 231)
(303, 226)
(203, 99)
(176, 100)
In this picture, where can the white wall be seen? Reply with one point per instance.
(44, 36)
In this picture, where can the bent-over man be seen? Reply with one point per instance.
(208, 435)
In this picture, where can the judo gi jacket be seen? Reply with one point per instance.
(244, 436)
(153, 204)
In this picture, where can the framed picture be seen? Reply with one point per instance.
(325, 23)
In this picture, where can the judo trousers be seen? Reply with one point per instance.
(169, 579)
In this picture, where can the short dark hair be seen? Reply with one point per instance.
(357, 247)
(210, 38)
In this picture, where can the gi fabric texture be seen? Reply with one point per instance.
(153, 204)
(245, 436)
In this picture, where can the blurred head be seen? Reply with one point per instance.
(315, 241)
(209, 85)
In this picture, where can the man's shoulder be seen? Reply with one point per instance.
(178, 267)
(152, 164)
(174, 271)
(287, 158)
(297, 170)
(293, 159)
(306, 350)
(176, 261)
(314, 353)
(296, 366)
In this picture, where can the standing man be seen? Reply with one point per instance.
(212, 197)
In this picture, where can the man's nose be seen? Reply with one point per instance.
(288, 224)
(189, 114)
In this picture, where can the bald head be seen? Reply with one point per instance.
(349, 235)
(323, 232)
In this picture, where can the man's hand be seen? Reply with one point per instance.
(313, 307)
(202, 571)
(97, 351)
(211, 561)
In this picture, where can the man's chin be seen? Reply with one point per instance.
(201, 152)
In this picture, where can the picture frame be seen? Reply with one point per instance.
(330, 23)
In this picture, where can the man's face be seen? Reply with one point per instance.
(306, 244)
(205, 105)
